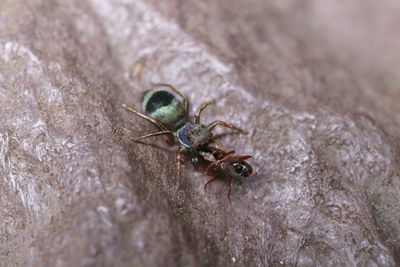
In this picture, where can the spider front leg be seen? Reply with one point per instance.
(159, 124)
(199, 110)
(214, 124)
(152, 134)
(179, 154)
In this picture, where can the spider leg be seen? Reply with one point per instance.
(179, 163)
(212, 125)
(199, 110)
(152, 134)
(160, 125)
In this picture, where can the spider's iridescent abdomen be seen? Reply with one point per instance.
(164, 107)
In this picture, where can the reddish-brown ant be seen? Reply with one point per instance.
(228, 165)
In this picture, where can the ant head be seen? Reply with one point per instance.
(240, 167)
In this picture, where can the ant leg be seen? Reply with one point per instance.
(222, 156)
(176, 90)
(152, 134)
(230, 188)
(178, 164)
(209, 181)
(199, 110)
(220, 146)
(244, 157)
(160, 125)
(210, 167)
(212, 125)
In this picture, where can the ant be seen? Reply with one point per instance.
(223, 164)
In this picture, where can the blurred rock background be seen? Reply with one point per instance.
(316, 84)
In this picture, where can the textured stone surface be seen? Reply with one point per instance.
(315, 83)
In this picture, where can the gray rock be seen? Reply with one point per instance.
(315, 93)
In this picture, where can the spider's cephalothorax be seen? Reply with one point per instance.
(172, 116)
(193, 135)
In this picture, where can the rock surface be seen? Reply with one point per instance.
(314, 82)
